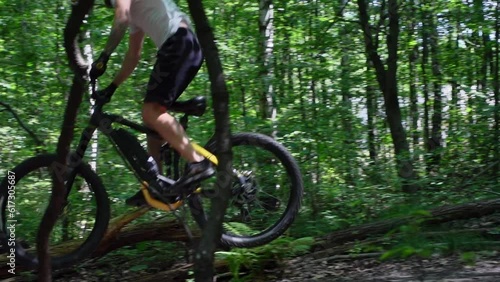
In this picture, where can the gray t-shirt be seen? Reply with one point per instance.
(159, 19)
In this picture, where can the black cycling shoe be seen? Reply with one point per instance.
(195, 173)
(157, 186)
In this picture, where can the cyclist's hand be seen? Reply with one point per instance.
(105, 94)
(99, 66)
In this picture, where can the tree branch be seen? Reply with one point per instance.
(35, 138)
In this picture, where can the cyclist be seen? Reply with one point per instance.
(179, 58)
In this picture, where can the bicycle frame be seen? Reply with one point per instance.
(103, 122)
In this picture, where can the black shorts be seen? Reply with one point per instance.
(177, 63)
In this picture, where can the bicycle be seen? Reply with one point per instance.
(266, 188)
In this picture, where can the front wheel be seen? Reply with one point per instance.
(24, 195)
(266, 188)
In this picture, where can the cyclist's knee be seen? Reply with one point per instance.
(151, 111)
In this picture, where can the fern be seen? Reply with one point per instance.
(276, 251)
(238, 228)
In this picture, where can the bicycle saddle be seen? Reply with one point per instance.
(194, 107)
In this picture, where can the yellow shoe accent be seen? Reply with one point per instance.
(157, 204)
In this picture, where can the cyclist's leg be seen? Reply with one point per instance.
(178, 62)
(168, 127)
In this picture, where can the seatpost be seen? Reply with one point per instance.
(184, 121)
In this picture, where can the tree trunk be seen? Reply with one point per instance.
(266, 31)
(413, 80)
(387, 79)
(371, 112)
(414, 114)
(437, 119)
(94, 147)
(454, 116)
(78, 13)
(204, 255)
(349, 153)
(496, 93)
(425, 78)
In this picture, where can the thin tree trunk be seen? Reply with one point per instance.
(371, 112)
(204, 254)
(312, 175)
(266, 31)
(437, 119)
(412, 59)
(78, 13)
(496, 86)
(346, 107)
(454, 120)
(94, 147)
(388, 85)
(425, 79)
(486, 49)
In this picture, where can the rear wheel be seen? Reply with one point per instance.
(24, 196)
(267, 191)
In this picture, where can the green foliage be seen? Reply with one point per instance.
(256, 259)
(413, 239)
(469, 258)
(325, 96)
(410, 242)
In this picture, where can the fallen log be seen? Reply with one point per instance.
(436, 216)
(118, 235)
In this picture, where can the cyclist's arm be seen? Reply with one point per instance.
(120, 25)
(132, 57)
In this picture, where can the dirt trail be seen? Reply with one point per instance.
(433, 269)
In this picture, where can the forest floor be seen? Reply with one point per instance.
(486, 267)
(160, 261)
(452, 268)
